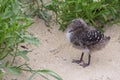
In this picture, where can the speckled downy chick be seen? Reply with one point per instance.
(86, 38)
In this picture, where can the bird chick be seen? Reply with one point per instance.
(86, 38)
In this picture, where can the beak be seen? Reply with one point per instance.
(71, 31)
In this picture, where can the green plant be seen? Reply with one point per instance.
(95, 13)
(34, 8)
(13, 31)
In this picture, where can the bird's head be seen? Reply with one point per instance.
(77, 25)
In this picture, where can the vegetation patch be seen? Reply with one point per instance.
(96, 13)
(13, 31)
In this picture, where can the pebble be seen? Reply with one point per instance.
(52, 50)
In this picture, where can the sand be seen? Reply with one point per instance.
(56, 53)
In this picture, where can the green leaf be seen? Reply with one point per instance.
(49, 6)
(31, 77)
(2, 66)
(31, 39)
(48, 72)
(105, 17)
(7, 63)
(7, 15)
(51, 73)
(1, 75)
(14, 70)
(15, 7)
(23, 54)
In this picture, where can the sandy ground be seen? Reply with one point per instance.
(55, 53)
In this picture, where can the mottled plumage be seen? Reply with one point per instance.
(85, 37)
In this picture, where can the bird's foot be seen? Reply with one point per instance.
(84, 65)
(77, 61)
(81, 62)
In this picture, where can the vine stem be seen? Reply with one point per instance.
(13, 60)
(3, 51)
(14, 57)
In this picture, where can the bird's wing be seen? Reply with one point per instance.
(91, 37)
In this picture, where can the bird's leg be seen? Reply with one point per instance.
(79, 61)
(89, 58)
(81, 58)
(86, 64)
